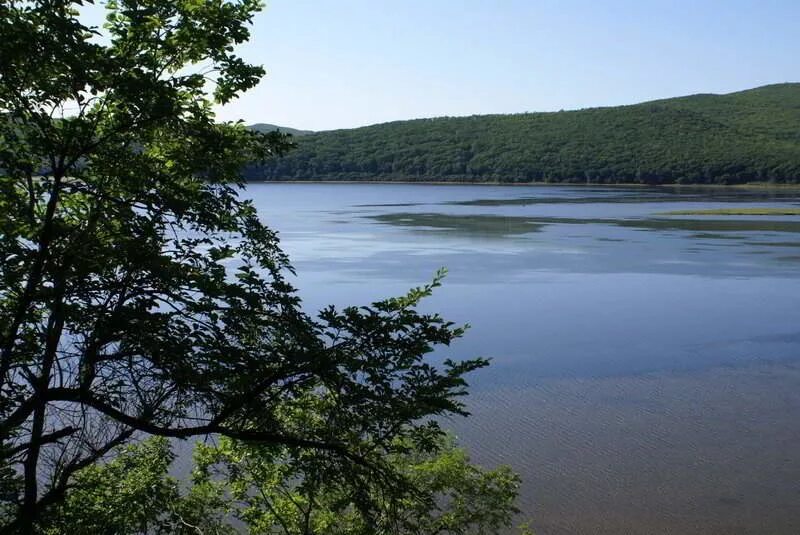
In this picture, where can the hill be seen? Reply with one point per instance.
(266, 127)
(751, 135)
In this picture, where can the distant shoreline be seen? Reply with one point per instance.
(749, 185)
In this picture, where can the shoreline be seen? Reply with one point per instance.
(749, 185)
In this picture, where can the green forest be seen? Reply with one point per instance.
(748, 136)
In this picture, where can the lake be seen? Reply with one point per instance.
(645, 374)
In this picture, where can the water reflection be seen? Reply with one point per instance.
(645, 367)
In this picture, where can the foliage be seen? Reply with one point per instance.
(740, 137)
(132, 494)
(140, 295)
(300, 493)
(280, 490)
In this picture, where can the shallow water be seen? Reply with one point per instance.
(644, 375)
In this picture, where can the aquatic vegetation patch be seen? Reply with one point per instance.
(738, 211)
(488, 225)
(713, 225)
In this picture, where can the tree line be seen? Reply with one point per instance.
(741, 137)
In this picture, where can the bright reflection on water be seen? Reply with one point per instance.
(644, 376)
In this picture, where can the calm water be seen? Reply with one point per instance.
(644, 375)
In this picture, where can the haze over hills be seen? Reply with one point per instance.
(747, 136)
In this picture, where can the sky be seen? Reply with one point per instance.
(347, 63)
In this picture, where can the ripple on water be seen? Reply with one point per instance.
(689, 453)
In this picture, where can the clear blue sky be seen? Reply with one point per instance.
(344, 63)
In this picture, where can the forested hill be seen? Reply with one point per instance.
(266, 127)
(747, 136)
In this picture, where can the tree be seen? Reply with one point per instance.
(275, 489)
(140, 295)
(130, 494)
(303, 493)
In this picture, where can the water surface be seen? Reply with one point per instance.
(644, 375)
